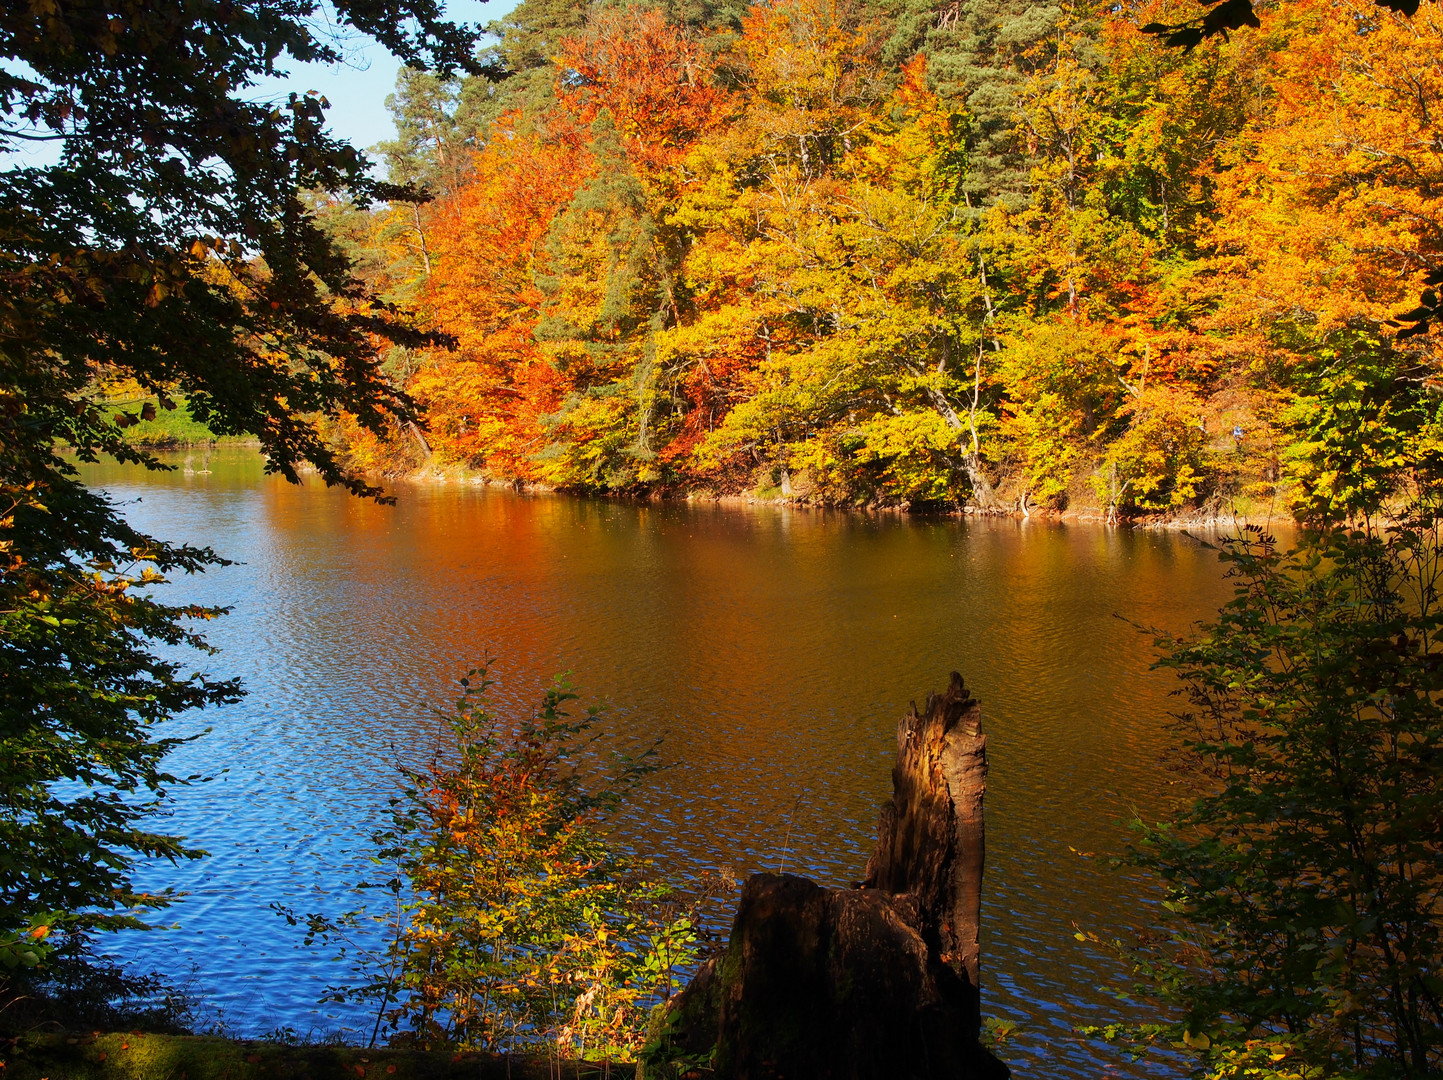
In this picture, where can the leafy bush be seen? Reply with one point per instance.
(516, 925)
(1305, 883)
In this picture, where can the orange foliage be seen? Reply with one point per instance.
(1334, 204)
(655, 80)
(658, 279)
(813, 75)
(486, 399)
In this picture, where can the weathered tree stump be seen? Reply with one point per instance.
(873, 983)
(931, 838)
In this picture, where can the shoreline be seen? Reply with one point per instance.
(432, 475)
(1194, 518)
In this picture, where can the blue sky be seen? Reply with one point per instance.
(357, 89)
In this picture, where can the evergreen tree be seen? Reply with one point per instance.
(430, 145)
(519, 70)
(981, 53)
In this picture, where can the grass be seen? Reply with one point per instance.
(119, 1056)
(175, 428)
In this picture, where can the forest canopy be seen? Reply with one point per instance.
(997, 253)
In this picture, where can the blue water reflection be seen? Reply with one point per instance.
(773, 648)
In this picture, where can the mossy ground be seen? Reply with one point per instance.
(184, 1057)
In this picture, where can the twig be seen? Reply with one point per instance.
(787, 844)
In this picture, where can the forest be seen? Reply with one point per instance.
(1008, 255)
(1130, 261)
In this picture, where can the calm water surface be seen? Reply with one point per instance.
(774, 649)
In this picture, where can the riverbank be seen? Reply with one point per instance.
(172, 428)
(177, 430)
(137, 1056)
(1230, 514)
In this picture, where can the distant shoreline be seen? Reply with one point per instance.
(218, 442)
(434, 476)
(1189, 518)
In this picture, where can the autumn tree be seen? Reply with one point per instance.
(655, 80)
(1334, 207)
(525, 929)
(485, 399)
(169, 240)
(873, 337)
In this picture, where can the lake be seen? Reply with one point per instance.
(772, 649)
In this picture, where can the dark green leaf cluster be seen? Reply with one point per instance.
(1306, 883)
(163, 240)
(981, 53)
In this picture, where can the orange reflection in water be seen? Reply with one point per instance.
(773, 648)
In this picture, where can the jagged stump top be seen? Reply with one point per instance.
(870, 983)
(931, 838)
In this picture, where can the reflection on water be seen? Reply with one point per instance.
(773, 648)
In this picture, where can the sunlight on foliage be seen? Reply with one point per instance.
(512, 923)
(1030, 258)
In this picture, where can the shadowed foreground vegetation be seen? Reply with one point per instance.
(173, 1057)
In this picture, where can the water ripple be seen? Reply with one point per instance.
(773, 649)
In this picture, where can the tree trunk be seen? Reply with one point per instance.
(420, 438)
(982, 492)
(931, 839)
(871, 983)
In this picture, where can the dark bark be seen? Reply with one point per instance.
(872, 983)
(930, 840)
